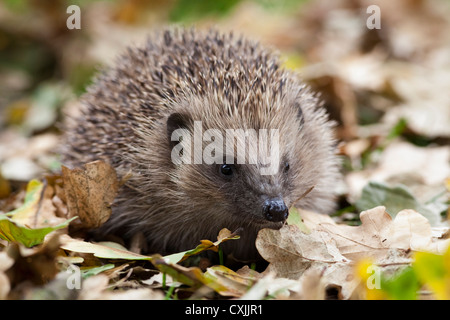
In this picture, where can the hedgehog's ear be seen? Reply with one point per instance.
(177, 121)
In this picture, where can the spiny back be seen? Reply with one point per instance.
(145, 81)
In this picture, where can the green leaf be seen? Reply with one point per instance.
(92, 271)
(397, 129)
(401, 286)
(14, 232)
(396, 199)
(295, 219)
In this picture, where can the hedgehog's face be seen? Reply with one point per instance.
(254, 197)
(252, 182)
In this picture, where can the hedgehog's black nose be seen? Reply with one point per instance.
(275, 210)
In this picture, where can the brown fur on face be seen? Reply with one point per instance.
(226, 82)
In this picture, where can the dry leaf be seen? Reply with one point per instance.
(370, 239)
(96, 288)
(90, 192)
(227, 282)
(5, 263)
(312, 286)
(99, 250)
(420, 169)
(274, 287)
(412, 230)
(37, 264)
(333, 249)
(291, 252)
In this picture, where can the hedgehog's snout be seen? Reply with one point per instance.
(275, 210)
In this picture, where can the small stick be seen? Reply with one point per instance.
(302, 196)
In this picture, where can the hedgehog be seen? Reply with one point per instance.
(140, 116)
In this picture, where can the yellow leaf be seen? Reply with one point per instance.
(434, 271)
(26, 213)
(227, 282)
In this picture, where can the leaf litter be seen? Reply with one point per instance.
(388, 91)
(311, 248)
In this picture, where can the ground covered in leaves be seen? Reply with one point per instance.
(387, 88)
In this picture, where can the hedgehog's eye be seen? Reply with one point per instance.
(226, 169)
(286, 166)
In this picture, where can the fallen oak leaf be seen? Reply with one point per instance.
(311, 219)
(379, 233)
(413, 231)
(333, 249)
(371, 239)
(291, 253)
